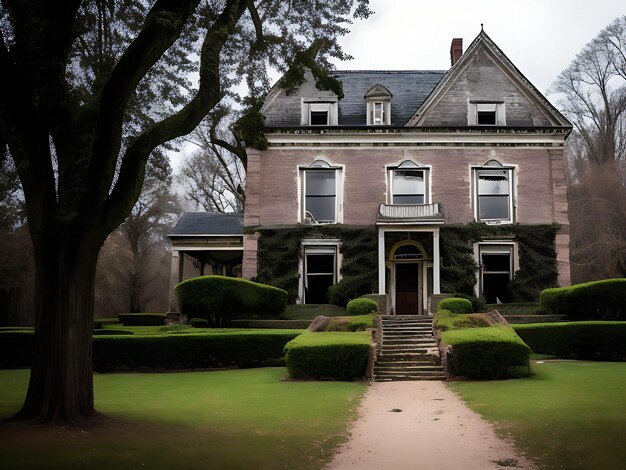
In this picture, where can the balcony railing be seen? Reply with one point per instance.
(416, 213)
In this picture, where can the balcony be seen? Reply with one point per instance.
(390, 214)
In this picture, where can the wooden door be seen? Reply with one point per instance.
(407, 289)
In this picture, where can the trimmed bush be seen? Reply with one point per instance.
(199, 322)
(361, 306)
(604, 300)
(456, 305)
(219, 299)
(485, 353)
(142, 319)
(446, 320)
(334, 355)
(595, 340)
(174, 351)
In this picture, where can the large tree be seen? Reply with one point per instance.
(81, 159)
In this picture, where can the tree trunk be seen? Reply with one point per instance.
(61, 380)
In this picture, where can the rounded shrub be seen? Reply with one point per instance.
(455, 305)
(219, 299)
(604, 300)
(199, 322)
(361, 306)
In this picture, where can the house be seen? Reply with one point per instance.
(413, 184)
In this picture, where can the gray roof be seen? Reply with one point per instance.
(207, 223)
(409, 89)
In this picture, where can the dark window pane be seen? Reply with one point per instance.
(494, 286)
(320, 182)
(317, 287)
(493, 207)
(417, 199)
(322, 208)
(487, 118)
(320, 264)
(408, 182)
(319, 118)
(496, 262)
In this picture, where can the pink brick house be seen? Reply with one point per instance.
(423, 162)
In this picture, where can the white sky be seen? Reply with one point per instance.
(540, 37)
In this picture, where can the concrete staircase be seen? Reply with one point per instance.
(408, 350)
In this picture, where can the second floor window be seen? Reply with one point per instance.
(494, 193)
(409, 184)
(320, 194)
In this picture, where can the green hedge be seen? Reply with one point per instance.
(597, 340)
(353, 323)
(485, 353)
(333, 355)
(220, 299)
(361, 306)
(456, 305)
(604, 300)
(446, 320)
(174, 351)
(142, 319)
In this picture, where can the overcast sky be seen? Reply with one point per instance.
(540, 37)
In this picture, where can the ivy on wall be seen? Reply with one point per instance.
(537, 255)
(279, 253)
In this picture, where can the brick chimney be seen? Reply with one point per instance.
(456, 50)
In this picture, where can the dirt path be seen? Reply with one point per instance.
(434, 430)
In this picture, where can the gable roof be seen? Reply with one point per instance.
(207, 223)
(499, 58)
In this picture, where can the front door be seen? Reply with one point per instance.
(407, 289)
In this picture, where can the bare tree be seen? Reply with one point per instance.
(593, 94)
(213, 176)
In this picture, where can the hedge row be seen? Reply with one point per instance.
(361, 306)
(333, 355)
(188, 351)
(456, 305)
(604, 300)
(598, 340)
(220, 299)
(485, 353)
(142, 319)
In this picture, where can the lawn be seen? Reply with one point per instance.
(235, 419)
(570, 414)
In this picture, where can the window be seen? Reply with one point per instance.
(493, 197)
(378, 100)
(319, 113)
(320, 270)
(486, 113)
(496, 271)
(320, 188)
(409, 184)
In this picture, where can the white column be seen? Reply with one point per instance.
(175, 278)
(436, 263)
(381, 260)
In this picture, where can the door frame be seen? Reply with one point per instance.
(422, 263)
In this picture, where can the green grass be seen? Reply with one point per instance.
(310, 311)
(520, 308)
(569, 415)
(238, 419)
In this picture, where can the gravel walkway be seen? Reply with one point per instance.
(422, 426)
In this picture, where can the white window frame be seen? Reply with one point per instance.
(320, 165)
(309, 105)
(473, 108)
(409, 165)
(495, 247)
(386, 110)
(511, 174)
(323, 246)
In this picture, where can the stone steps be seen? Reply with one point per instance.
(408, 350)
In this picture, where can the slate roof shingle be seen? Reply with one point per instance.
(206, 223)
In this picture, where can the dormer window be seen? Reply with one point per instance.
(486, 113)
(378, 100)
(319, 113)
